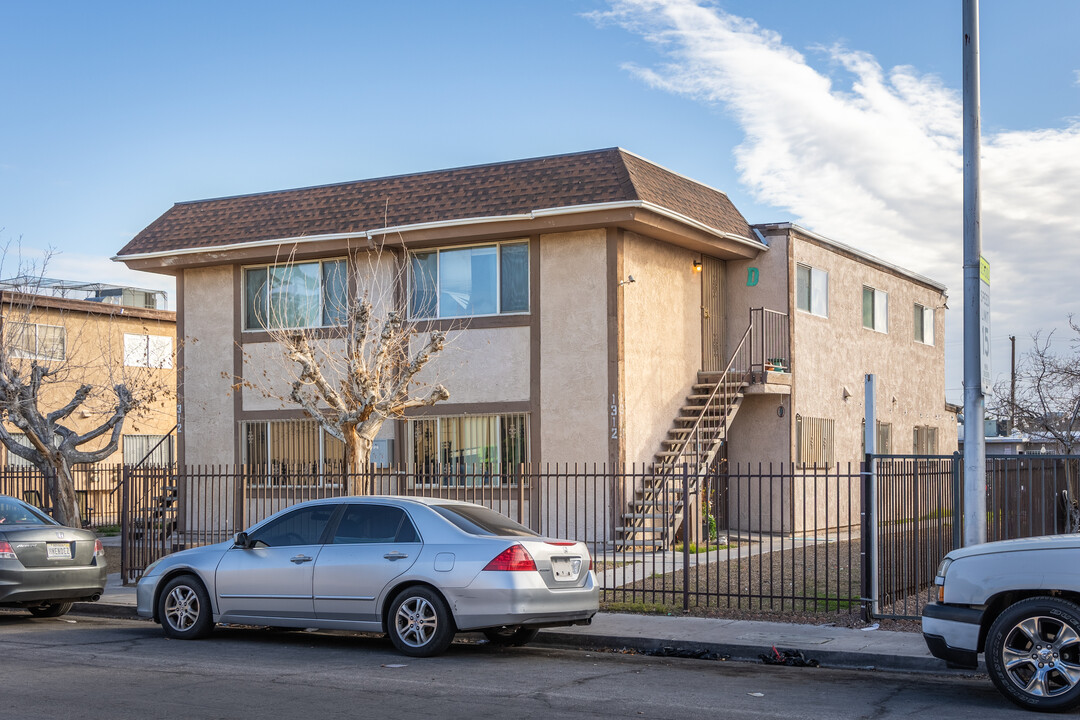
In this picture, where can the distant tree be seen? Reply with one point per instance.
(1047, 400)
(49, 377)
(366, 371)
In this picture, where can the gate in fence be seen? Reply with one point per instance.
(917, 517)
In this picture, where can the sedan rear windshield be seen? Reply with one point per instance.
(13, 512)
(482, 521)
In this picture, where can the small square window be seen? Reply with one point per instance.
(924, 324)
(812, 290)
(875, 309)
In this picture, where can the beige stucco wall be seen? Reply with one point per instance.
(209, 329)
(482, 365)
(661, 341)
(833, 354)
(574, 402)
(771, 290)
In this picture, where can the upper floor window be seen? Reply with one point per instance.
(470, 281)
(924, 324)
(812, 290)
(154, 351)
(36, 342)
(296, 295)
(875, 309)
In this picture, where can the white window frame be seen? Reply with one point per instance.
(149, 351)
(880, 307)
(819, 291)
(927, 325)
(498, 279)
(37, 354)
(264, 326)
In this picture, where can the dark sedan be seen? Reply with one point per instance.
(44, 566)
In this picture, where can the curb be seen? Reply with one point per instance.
(104, 609)
(735, 652)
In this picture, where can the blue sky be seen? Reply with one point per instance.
(841, 115)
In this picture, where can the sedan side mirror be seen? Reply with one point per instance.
(241, 541)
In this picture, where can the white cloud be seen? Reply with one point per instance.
(877, 162)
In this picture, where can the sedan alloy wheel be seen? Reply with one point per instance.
(420, 623)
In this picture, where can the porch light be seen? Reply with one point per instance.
(697, 266)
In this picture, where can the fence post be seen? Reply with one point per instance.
(125, 526)
(686, 539)
(958, 501)
(865, 546)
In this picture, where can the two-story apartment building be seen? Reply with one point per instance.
(585, 293)
(594, 302)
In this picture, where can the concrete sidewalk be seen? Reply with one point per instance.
(738, 640)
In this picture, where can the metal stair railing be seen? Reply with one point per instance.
(695, 454)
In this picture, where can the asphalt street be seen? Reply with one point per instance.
(94, 667)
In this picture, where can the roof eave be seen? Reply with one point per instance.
(540, 213)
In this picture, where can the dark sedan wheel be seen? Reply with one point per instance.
(511, 636)
(184, 608)
(1033, 654)
(419, 623)
(48, 610)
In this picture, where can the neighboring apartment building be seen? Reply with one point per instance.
(587, 295)
(89, 329)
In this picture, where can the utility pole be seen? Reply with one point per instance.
(974, 404)
(1012, 386)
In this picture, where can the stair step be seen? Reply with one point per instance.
(643, 516)
(630, 530)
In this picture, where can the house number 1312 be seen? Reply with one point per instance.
(614, 418)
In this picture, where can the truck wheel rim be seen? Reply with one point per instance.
(1041, 656)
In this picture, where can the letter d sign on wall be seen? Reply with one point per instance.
(751, 277)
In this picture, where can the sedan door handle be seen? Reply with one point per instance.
(395, 555)
(300, 559)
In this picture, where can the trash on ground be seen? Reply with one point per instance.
(395, 665)
(694, 653)
(756, 694)
(792, 658)
(875, 626)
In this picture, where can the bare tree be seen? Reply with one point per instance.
(64, 391)
(1047, 391)
(367, 371)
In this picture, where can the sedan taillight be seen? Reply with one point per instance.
(99, 548)
(513, 559)
(6, 553)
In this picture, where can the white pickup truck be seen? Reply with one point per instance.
(1017, 601)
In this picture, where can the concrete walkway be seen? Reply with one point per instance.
(739, 640)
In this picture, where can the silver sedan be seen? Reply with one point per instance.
(418, 569)
(45, 566)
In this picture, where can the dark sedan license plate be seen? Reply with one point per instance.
(566, 568)
(58, 551)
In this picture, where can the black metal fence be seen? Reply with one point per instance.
(756, 541)
(768, 539)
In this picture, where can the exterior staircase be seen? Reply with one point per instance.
(696, 439)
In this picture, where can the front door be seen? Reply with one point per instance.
(712, 314)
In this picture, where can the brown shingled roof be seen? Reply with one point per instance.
(499, 189)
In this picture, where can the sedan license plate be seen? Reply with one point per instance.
(58, 551)
(566, 568)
